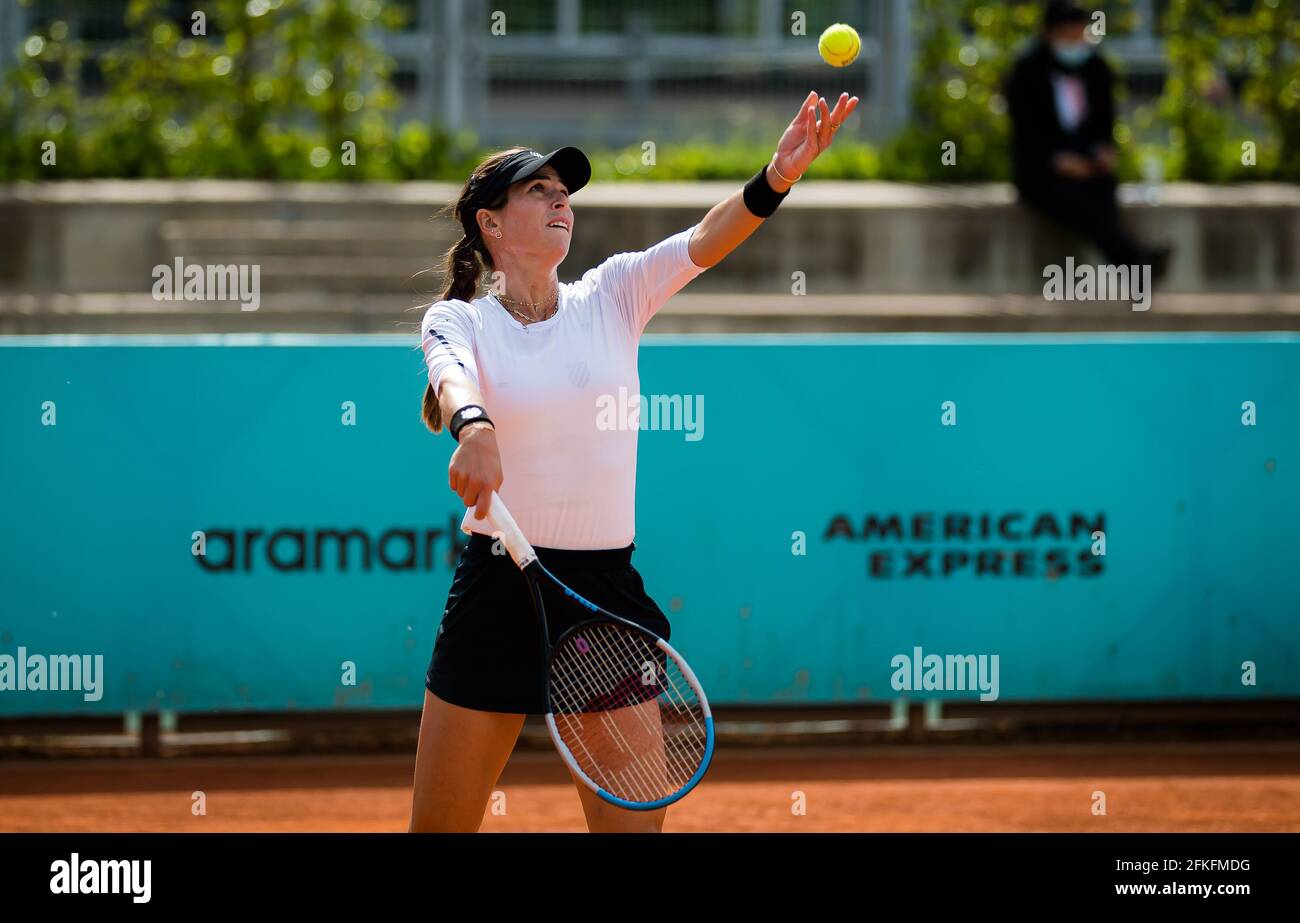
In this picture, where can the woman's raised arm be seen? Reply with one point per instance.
(729, 222)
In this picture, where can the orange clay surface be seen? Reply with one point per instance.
(1165, 787)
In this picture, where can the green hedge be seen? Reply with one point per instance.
(278, 96)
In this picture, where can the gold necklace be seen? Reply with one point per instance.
(555, 298)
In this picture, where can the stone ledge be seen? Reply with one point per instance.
(844, 238)
(685, 313)
(809, 193)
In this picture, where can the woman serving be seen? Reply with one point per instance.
(514, 376)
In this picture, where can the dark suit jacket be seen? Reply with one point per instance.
(1037, 134)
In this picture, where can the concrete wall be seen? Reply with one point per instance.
(88, 248)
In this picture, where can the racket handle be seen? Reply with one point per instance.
(504, 525)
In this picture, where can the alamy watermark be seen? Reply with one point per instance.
(948, 673)
(240, 282)
(675, 412)
(76, 875)
(53, 673)
(1084, 282)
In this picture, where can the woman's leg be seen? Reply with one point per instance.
(458, 761)
(637, 729)
(603, 817)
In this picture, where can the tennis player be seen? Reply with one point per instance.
(514, 376)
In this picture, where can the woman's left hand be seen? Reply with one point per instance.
(810, 133)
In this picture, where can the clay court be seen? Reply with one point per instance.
(1193, 787)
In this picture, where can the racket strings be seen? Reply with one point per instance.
(650, 657)
(626, 712)
(636, 780)
(642, 777)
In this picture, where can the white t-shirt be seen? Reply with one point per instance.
(570, 481)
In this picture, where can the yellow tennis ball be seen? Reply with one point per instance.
(839, 45)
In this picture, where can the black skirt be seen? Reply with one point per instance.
(488, 655)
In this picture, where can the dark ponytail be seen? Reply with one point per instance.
(464, 265)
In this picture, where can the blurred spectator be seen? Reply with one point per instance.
(1062, 111)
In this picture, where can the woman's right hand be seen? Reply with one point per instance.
(475, 469)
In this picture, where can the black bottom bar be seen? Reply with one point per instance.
(330, 872)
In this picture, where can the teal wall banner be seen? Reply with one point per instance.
(823, 520)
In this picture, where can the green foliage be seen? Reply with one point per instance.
(271, 89)
(736, 160)
(39, 103)
(1194, 89)
(1265, 45)
(956, 90)
(277, 88)
(1211, 42)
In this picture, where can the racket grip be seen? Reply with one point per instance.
(504, 525)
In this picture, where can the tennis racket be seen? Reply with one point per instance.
(625, 710)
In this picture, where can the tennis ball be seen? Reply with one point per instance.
(839, 45)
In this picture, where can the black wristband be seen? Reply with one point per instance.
(760, 198)
(470, 413)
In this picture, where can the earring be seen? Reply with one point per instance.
(498, 235)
